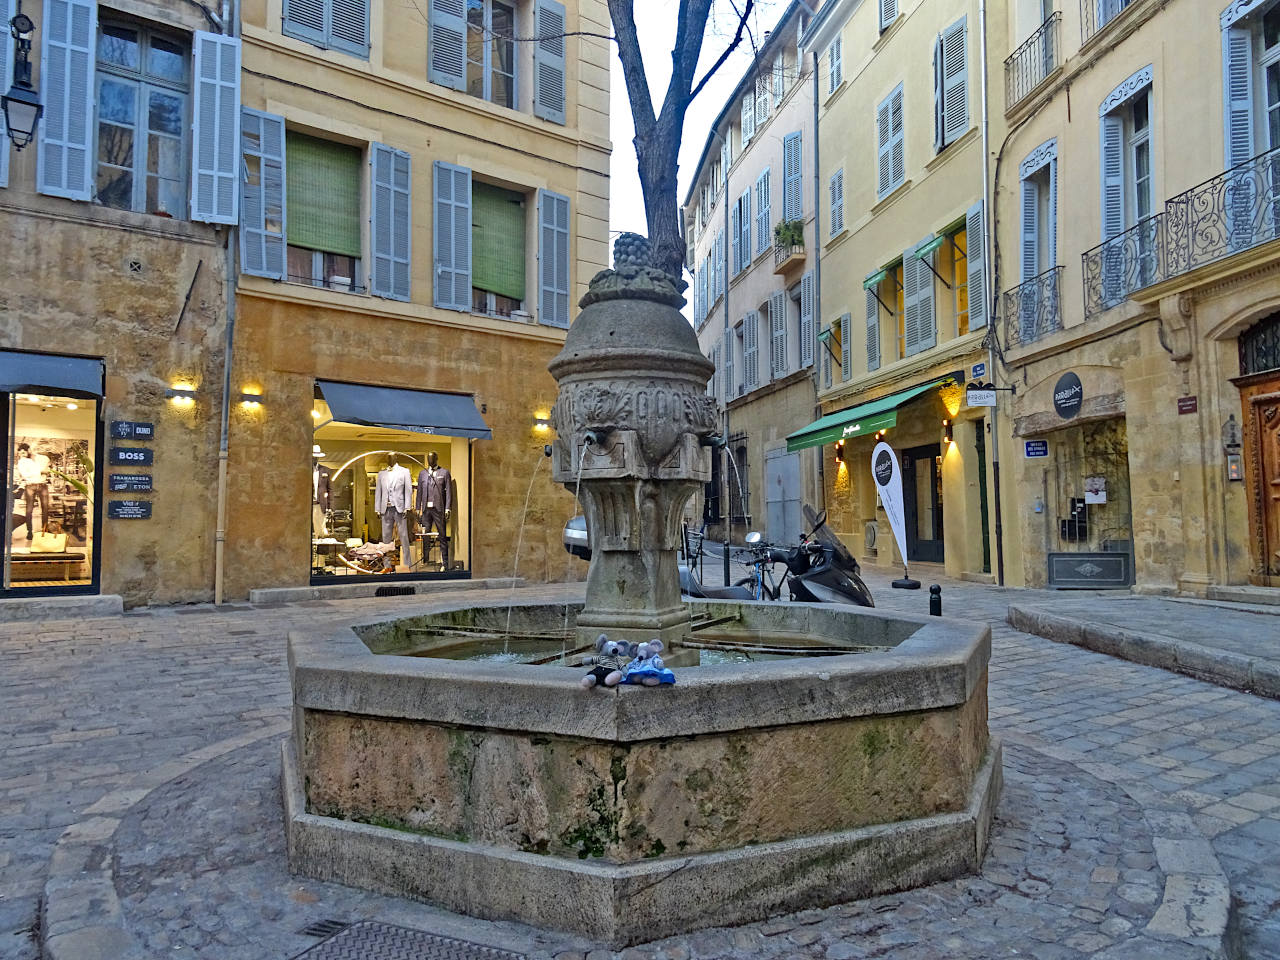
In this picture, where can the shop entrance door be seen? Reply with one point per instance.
(1262, 471)
(922, 500)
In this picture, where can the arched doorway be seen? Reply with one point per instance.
(1260, 395)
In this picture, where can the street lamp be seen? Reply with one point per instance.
(21, 104)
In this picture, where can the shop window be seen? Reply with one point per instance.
(322, 212)
(143, 87)
(498, 250)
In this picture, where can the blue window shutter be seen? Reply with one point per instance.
(873, 332)
(262, 206)
(927, 323)
(8, 11)
(884, 146)
(389, 220)
(910, 303)
(553, 259)
(836, 191)
(888, 13)
(215, 125)
(939, 122)
(1052, 225)
(955, 81)
(806, 319)
(792, 177)
(735, 237)
(451, 236)
(751, 350)
(897, 124)
(549, 61)
(1112, 167)
(846, 347)
(762, 212)
(1237, 108)
(777, 334)
(305, 19)
(65, 162)
(730, 384)
(975, 249)
(1030, 229)
(446, 45)
(747, 119)
(720, 267)
(744, 224)
(349, 26)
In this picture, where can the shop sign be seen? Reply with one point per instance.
(132, 430)
(888, 479)
(129, 509)
(1188, 405)
(1068, 395)
(979, 371)
(131, 456)
(1037, 448)
(980, 397)
(133, 482)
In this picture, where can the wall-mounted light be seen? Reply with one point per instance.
(839, 451)
(181, 396)
(315, 414)
(252, 399)
(542, 424)
(73, 406)
(947, 431)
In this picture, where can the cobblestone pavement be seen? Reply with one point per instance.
(1122, 782)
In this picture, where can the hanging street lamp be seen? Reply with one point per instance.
(21, 104)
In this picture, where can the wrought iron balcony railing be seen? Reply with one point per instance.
(782, 252)
(1033, 309)
(1027, 67)
(1127, 262)
(1236, 210)
(1096, 14)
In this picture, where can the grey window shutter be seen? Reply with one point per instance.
(730, 384)
(389, 222)
(826, 365)
(779, 78)
(744, 224)
(897, 128)
(975, 247)
(1237, 75)
(446, 45)
(262, 206)
(762, 98)
(846, 345)
(778, 333)
(955, 81)
(751, 350)
(65, 160)
(1112, 176)
(735, 237)
(926, 318)
(720, 270)
(703, 276)
(1052, 225)
(1030, 229)
(553, 259)
(836, 191)
(910, 303)
(939, 122)
(305, 19)
(762, 212)
(888, 13)
(451, 236)
(792, 177)
(349, 26)
(747, 119)
(549, 62)
(8, 11)
(884, 145)
(873, 332)
(806, 319)
(215, 126)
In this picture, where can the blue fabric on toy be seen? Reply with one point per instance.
(647, 668)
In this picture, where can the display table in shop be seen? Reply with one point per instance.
(38, 566)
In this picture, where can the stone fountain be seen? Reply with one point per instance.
(507, 791)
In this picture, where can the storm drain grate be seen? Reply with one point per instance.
(323, 928)
(393, 592)
(372, 940)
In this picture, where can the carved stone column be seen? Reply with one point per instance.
(630, 421)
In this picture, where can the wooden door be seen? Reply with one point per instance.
(1262, 474)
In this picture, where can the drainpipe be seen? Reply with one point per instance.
(233, 235)
(988, 208)
(728, 345)
(817, 272)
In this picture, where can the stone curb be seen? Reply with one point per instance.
(81, 916)
(1225, 668)
(350, 591)
(61, 608)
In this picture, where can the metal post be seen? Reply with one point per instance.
(728, 345)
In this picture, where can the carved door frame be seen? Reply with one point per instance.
(1256, 392)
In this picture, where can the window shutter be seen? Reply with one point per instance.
(349, 26)
(389, 222)
(720, 265)
(730, 384)
(65, 162)
(779, 79)
(884, 146)
(451, 236)
(846, 347)
(910, 303)
(262, 208)
(549, 62)
(553, 259)
(304, 19)
(792, 173)
(778, 333)
(975, 250)
(714, 388)
(735, 237)
(1052, 225)
(1030, 229)
(215, 126)
(446, 46)
(762, 99)
(703, 276)
(835, 66)
(888, 13)
(955, 81)
(751, 349)
(1112, 177)
(762, 212)
(926, 319)
(806, 319)
(939, 122)
(748, 119)
(826, 362)
(837, 201)
(873, 332)
(1237, 74)
(744, 225)
(7, 9)
(897, 157)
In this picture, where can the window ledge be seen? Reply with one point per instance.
(826, 101)
(952, 149)
(838, 238)
(888, 32)
(93, 214)
(891, 197)
(1130, 16)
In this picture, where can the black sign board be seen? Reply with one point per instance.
(1068, 395)
(131, 456)
(134, 482)
(129, 509)
(1188, 405)
(132, 430)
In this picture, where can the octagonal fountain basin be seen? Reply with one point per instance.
(853, 760)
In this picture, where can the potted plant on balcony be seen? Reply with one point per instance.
(788, 233)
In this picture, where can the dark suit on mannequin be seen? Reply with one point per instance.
(435, 503)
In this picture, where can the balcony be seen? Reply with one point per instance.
(1127, 262)
(1096, 14)
(1033, 310)
(786, 256)
(1029, 65)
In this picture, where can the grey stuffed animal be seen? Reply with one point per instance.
(611, 656)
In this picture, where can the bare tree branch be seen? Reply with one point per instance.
(737, 39)
(624, 27)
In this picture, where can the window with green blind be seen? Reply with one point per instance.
(497, 240)
(323, 194)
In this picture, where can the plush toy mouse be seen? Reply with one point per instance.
(611, 656)
(647, 668)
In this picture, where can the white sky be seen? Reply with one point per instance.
(657, 29)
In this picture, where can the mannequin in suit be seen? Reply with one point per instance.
(392, 496)
(435, 503)
(321, 488)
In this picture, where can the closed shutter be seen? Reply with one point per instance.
(896, 150)
(748, 119)
(873, 332)
(826, 361)
(910, 303)
(349, 26)
(262, 208)
(730, 384)
(549, 62)
(451, 236)
(792, 177)
(215, 126)
(975, 250)
(735, 237)
(939, 123)
(498, 241)
(304, 19)
(389, 222)
(884, 145)
(751, 349)
(955, 85)
(778, 333)
(65, 162)
(703, 276)
(721, 279)
(846, 347)
(762, 212)
(888, 13)
(446, 45)
(714, 386)
(762, 99)
(926, 302)
(1237, 109)
(837, 201)
(1112, 177)
(323, 192)
(806, 319)
(8, 10)
(553, 259)
(1052, 226)
(744, 225)
(779, 79)
(834, 66)
(1030, 229)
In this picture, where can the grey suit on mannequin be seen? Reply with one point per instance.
(435, 503)
(391, 498)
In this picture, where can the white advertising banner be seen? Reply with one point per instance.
(888, 477)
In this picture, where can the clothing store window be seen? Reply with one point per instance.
(390, 498)
(322, 212)
(497, 250)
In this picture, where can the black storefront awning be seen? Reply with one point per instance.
(45, 373)
(422, 411)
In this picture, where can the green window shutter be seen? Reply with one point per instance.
(497, 240)
(323, 194)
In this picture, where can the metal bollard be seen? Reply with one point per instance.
(935, 601)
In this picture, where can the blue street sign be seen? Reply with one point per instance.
(1037, 448)
(979, 371)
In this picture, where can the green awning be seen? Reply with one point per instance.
(925, 249)
(874, 279)
(824, 334)
(860, 421)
